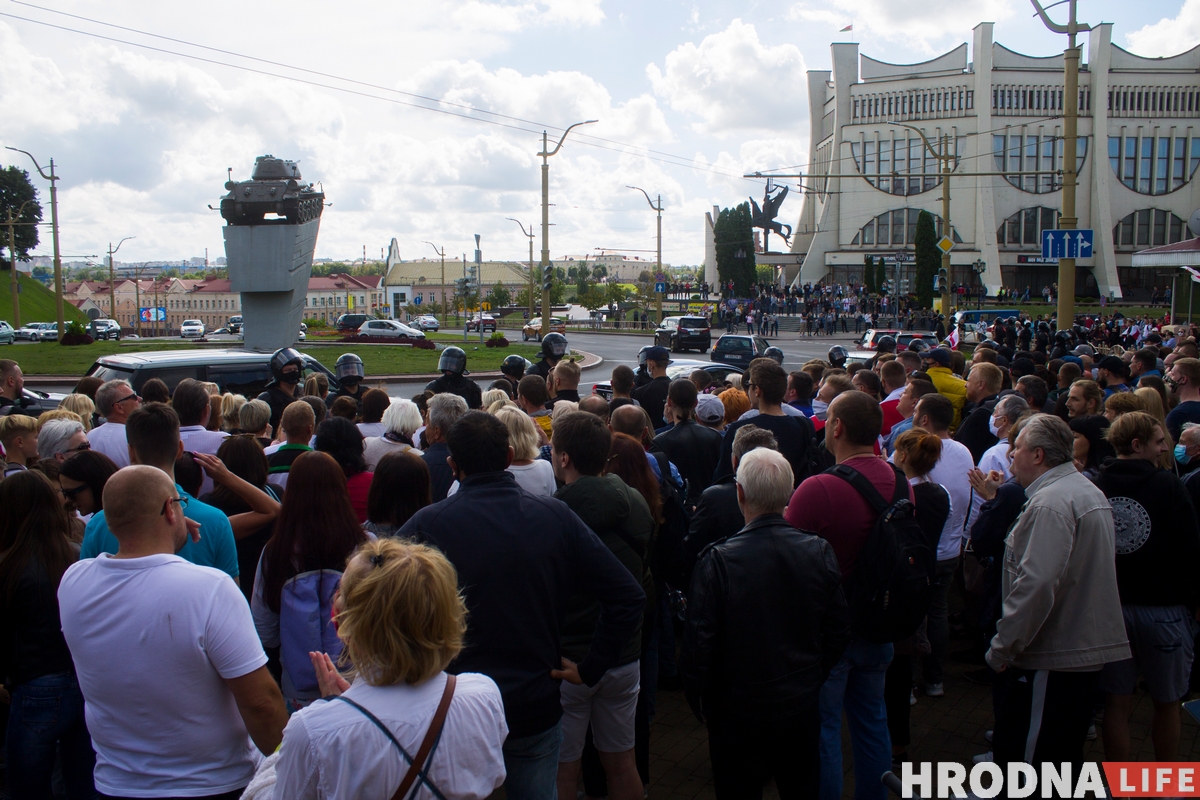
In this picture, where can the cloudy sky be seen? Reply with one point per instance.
(689, 96)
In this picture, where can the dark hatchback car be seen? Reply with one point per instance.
(242, 372)
(348, 323)
(740, 350)
(684, 333)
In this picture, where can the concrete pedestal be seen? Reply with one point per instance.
(270, 266)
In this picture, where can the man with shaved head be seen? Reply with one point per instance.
(634, 421)
(166, 654)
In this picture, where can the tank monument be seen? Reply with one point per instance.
(270, 235)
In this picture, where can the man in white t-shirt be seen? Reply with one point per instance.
(115, 401)
(934, 413)
(192, 403)
(170, 666)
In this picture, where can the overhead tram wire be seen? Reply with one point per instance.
(669, 159)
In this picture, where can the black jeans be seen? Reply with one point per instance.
(745, 754)
(897, 686)
(1055, 706)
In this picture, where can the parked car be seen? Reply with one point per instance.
(680, 368)
(426, 322)
(489, 322)
(7, 334)
(38, 332)
(388, 329)
(739, 349)
(239, 371)
(35, 403)
(347, 323)
(533, 328)
(235, 323)
(105, 329)
(191, 328)
(684, 333)
(871, 338)
(903, 340)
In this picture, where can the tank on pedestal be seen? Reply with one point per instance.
(270, 257)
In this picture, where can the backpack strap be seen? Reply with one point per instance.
(864, 486)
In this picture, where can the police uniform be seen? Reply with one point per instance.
(460, 385)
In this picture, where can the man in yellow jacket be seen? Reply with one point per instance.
(936, 363)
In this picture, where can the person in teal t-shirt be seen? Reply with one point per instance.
(215, 549)
(152, 432)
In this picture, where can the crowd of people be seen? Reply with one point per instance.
(325, 591)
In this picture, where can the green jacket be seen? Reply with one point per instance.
(619, 516)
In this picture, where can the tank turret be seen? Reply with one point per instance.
(275, 187)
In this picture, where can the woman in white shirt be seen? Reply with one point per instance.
(402, 621)
(400, 422)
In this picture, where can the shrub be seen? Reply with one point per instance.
(76, 334)
(497, 340)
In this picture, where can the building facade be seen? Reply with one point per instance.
(994, 110)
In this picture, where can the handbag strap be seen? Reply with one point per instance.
(431, 736)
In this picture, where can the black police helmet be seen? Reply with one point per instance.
(775, 354)
(886, 344)
(454, 360)
(513, 366)
(838, 355)
(918, 345)
(282, 358)
(642, 355)
(554, 345)
(349, 369)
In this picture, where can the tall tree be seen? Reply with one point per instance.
(927, 258)
(869, 274)
(18, 195)
(881, 276)
(735, 249)
(499, 296)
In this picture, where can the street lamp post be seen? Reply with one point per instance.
(658, 266)
(443, 255)
(532, 272)
(547, 273)
(112, 280)
(979, 266)
(944, 158)
(58, 283)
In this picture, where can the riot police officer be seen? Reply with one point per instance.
(513, 369)
(886, 344)
(286, 373)
(554, 347)
(349, 374)
(837, 356)
(453, 366)
(775, 354)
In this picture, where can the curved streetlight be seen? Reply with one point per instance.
(658, 273)
(547, 273)
(58, 284)
(532, 273)
(112, 279)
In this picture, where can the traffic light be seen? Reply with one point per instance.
(904, 286)
(460, 285)
(547, 277)
(942, 284)
(471, 273)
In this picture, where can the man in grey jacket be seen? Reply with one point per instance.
(1061, 620)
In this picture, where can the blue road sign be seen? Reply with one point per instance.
(660, 287)
(418, 299)
(1067, 244)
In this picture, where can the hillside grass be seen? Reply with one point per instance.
(37, 302)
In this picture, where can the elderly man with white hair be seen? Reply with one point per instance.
(400, 421)
(1061, 620)
(62, 438)
(766, 622)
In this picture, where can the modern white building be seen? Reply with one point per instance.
(1000, 110)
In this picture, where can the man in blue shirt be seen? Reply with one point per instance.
(153, 435)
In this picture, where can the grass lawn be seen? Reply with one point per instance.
(37, 302)
(49, 358)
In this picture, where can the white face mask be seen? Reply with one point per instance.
(819, 408)
(993, 427)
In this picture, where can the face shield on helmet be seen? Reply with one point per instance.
(642, 355)
(838, 355)
(453, 360)
(775, 354)
(886, 344)
(286, 365)
(349, 369)
(554, 346)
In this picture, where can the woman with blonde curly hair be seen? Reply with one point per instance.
(402, 620)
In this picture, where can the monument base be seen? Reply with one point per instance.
(270, 266)
(786, 265)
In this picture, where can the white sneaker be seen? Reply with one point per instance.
(982, 758)
(912, 697)
(987, 735)
(935, 690)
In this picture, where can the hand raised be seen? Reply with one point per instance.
(329, 679)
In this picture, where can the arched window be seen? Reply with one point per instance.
(1024, 229)
(896, 228)
(900, 163)
(1017, 151)
(1149, 227)
(1154, 164)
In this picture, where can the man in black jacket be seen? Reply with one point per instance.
(766, 622)
(983, 390)
(519, 558)
(444, 410)
(717, 515)
(286, 371)
(653, 396)
(1158, 550)
(693, 447)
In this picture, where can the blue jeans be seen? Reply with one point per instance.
(532, 765)
(856, 684)
(46, 714)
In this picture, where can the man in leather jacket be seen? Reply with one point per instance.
(766, 623)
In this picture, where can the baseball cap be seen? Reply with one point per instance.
(658, 353)
(709, 409)
(938, 354)
(1114, 365)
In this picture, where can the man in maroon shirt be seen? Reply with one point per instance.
(834, 510)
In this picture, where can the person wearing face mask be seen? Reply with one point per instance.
(1008, 410)
(1187, 457)
(286, 372)
(831, 387)
(1183, 379)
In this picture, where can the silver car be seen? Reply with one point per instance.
(190, 328)
(426, 322)
(388, 329)
(7, 334)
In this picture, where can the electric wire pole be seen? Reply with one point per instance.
(58, 283)
(658, 265)
(547, 270)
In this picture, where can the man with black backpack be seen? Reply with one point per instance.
(886, 568)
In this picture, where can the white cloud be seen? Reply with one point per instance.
(1168, 37)
(508, 17)
(733, 82)
(925, 25)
